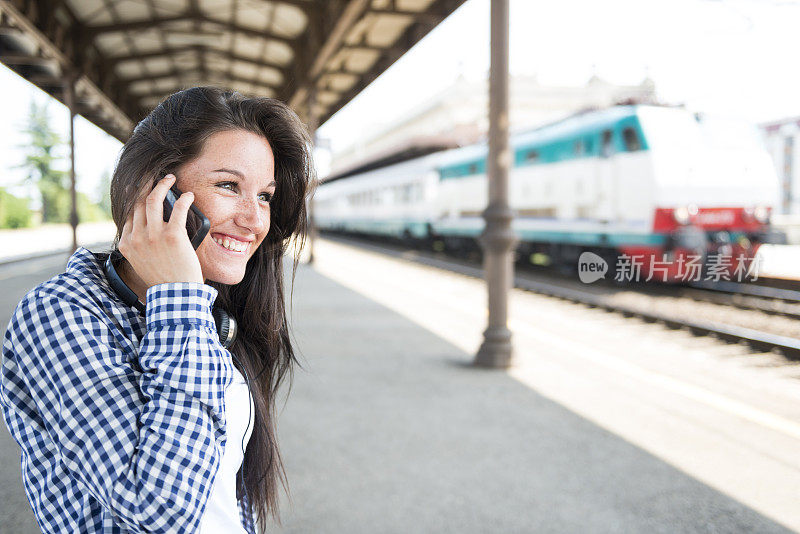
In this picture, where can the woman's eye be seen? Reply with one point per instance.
(232, 186)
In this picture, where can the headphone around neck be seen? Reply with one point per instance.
(226, 325)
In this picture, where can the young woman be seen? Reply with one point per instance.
(134, 418)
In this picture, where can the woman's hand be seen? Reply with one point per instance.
(160, 252)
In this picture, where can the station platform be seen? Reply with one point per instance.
(604, 424)
(24, 243)
(779, 261)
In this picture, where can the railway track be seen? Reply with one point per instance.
(774, 302)
(600, 297)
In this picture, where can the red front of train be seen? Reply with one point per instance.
(700, 244)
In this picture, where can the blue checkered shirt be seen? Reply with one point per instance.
(120, 418)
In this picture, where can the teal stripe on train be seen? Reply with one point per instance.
(566, 237)
(419, 229)
(390, 227)
(574, 138)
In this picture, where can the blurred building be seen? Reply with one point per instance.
(782, 139)
(457, 116)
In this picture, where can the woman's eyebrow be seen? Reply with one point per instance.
(241, 175)
(231, 171)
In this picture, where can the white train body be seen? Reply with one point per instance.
(630, 179)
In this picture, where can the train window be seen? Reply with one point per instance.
(631, 138)
(577, 147)
(607, 148)
(531, 156)
(589, 145)
(473, 168)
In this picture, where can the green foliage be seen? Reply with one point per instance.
(104, 194)
(42, 154)
(88, 211)
(14, 211)
(43, 148)
(55, 203)
(59, 205)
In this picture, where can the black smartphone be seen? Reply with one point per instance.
(197, 224)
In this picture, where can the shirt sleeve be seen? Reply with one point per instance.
(151, 463)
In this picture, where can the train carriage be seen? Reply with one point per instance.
(652, 182)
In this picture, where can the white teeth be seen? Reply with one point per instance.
(231, 244)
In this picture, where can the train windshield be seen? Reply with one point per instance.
(723, 132)
(667, 128)
(670, 128)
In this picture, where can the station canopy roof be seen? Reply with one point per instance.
(126, 55)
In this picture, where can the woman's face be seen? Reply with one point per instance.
(233, 180)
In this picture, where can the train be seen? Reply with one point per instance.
(661, 184)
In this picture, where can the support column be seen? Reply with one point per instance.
(313, 120)
(497, 239)
(69, 97)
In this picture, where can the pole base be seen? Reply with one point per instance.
(496, 351)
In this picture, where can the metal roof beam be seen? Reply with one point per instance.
(371, 48)
(60, 44)
(198, 48)
(46, 80)
(115, 60)
(342, 71)
(22, 59)
(331, 43)
(308, 6)
(418, 16)
(147, 23)
(179, 86)
(183, 73)
(440, 9)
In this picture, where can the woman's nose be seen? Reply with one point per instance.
(252, 215)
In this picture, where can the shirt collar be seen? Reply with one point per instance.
(88, 266)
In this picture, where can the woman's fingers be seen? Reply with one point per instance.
(138, 218)
(154, 204)
(180, 212)
(160, 252)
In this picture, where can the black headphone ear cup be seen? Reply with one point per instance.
(226, 327)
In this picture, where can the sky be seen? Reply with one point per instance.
(729, 57)
(732, 57)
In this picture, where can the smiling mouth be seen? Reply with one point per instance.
(232, 245)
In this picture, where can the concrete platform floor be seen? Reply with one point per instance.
(605, 424)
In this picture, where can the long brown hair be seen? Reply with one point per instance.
(174, 134)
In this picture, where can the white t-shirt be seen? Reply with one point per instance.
(222, 511)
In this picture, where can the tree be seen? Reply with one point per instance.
(14, 212)
(104, 193)
(42, 154)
